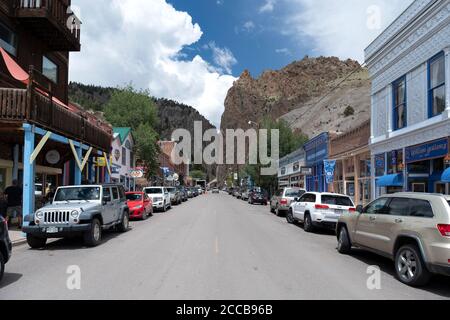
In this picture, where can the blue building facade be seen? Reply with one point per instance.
(317, 150)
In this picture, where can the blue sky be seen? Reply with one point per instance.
(252, 36)
(192, 51)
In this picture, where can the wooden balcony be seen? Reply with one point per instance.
(31, 106)
(51, 21)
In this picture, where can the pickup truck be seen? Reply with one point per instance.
(79, 210)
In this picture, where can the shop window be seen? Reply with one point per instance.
(438, 165)
(8, 40)
(380, 165)
(124, 156)
(400, 105)
(436, 85)
(419, 167)
(49, 69)
(395, 161)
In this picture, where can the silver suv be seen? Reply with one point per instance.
(412, 229)
(282, 199)
(79, 210)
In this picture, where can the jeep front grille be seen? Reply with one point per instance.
(58, 217)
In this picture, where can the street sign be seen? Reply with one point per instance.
(136, 174)
(307, 171)
(236, 176)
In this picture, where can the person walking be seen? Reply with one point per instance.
(14, 203)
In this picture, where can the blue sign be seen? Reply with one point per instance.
(427, 151)
(380, 161)
(330, 166)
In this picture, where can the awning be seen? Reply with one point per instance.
(16, 71)
(392, 180)
(446, 176)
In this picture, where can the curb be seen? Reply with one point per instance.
(19, 242)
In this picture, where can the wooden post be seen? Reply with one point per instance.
(28, 173)
(357, 170)
(344, 174)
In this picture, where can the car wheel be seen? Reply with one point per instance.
(164, 209)
(290, 217)
(125, 223)
(278, 212)
(2, 265)
(144, 215)
(307, 225)
(35, 242)
(410, 267)
(271, 209)
(93, 237)
(344, 244)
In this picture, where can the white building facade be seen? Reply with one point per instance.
(290, 170)
(409, 64)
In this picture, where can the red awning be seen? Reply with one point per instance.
(14, 69)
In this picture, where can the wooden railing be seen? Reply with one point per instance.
(56, 10)
(25, 105)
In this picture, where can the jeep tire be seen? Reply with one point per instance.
(35, 242)
(93, 237)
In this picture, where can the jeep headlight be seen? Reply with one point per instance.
(39, 215)
(74, 214)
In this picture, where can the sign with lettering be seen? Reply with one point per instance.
(307, 171)
(427, 151)
(330, 166)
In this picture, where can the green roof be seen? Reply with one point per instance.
(123, 133)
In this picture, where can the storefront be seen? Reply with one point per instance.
(290, 170)
(419, 168)
(353, 166)
(317, 150)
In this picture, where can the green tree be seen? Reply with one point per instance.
(131, 108)
(198, 174)
(289, 142)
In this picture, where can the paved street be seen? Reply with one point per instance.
(213, 247)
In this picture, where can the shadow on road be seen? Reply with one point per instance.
(439, 285)
(9, 278)
(76, 243)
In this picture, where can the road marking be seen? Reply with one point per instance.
(217, 245)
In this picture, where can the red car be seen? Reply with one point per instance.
(140, 205)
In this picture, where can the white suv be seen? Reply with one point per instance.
(316, 209)
(160, 197)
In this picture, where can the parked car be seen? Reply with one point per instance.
(160, 198)
(195, 192)
(139, 205)
(237, 193)
(282, 199)
(5, 246)
(245, 194)
(412, 229)
(215, 190)
(319, 209)
(79, 210)
(175, 196)
(190, 193)
(230, 191)
(183, 192)
(258, 196)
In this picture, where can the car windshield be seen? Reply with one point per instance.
(153, 191)
(134, 197)
(78, 194)
(337, 200)
(172, 189)
(294, 193)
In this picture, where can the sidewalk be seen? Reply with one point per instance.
(17, 236)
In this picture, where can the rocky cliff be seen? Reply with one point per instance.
(313, 95)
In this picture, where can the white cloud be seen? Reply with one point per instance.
(248, 26)
(222, 57)
(285, 51)
(140, 41)
(268, 6)
(342, 28)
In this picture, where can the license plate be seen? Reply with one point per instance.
(338, 211)
(52, 230)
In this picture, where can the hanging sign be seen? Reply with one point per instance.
(53, 157)
(330, 166)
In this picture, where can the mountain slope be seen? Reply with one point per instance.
(293, 92)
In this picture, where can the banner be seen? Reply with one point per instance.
(330, 166)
